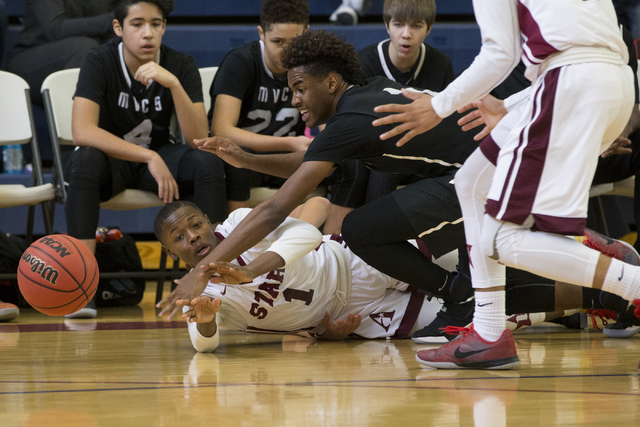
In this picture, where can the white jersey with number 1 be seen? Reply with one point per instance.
(320, 274)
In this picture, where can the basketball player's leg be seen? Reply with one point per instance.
(379, 232)
(555, 197)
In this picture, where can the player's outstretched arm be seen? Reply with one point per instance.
(261, 221)
(414, 118)
(337, 331)
(282, 165)
(202, 310)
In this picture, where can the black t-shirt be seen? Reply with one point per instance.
(266, 100)
(349, 134)
(128, 109)
(433, 67)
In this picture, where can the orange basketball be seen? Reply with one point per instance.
(58, 275)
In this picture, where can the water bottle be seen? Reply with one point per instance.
(12, 156)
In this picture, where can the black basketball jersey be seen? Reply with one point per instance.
(349, 134)
(266, 100)
(128, 109)
(432, 70)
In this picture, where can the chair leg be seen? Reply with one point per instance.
(48, 218)
(161, 277)
(30, 220)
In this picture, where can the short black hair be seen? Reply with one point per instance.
(284, 12)
(121, 10)
(320, 53)
(168, 210)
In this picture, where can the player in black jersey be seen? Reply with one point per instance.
(406, 59)
(324, 90)
(251, 101)
(127, 92)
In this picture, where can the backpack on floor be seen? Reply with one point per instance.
(117, 256)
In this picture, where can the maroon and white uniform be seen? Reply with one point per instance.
(581, 100)
(545, 149)
(320, 274)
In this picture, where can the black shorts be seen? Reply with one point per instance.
(431, 206)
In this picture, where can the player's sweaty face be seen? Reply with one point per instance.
(142, 31)
(275, 39)
(311, 96)
(189, 235)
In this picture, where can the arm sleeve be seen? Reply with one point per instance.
(201, 343)
(190, 79)
(293, 239)
(500, 31)
(234, 76)
(56, 24)
(91, 82)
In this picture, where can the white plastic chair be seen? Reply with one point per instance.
(16, 127)
(57, 91)
(207, 74)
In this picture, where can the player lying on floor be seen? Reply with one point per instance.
(295, 280)
(320, 280)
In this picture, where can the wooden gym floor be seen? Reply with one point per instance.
(129, 368)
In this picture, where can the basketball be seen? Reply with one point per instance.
(58, 275)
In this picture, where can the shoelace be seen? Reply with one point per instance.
(456, 330)
(636, 302)
(603, 250)
(604, 316)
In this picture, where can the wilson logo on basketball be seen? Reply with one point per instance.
(38, 266)
(56, 246)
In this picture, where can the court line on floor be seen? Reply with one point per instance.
(344, 384)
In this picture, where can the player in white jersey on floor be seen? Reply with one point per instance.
(293, 281)
(544, 151)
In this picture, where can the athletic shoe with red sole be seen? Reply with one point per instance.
(611, 247)
(8, 311)
(470, 351)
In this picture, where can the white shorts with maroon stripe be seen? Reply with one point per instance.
(549, 146)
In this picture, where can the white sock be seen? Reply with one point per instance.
(622, 279)
(520, 321)
(489, 319)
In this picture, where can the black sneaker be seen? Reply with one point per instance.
(626, 326)
(459, 315)
(89, 311)
(574, 321)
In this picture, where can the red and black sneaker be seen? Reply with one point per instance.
(611, 247)
(470, 351)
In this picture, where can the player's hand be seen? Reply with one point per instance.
(202, 309)
(488, 112)
(415, 118)
(337, 331)
(153, 71)
(167, 185)
(189, 287)
(299, 143)
(227, 273)
(617, 147)
(224, 148)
